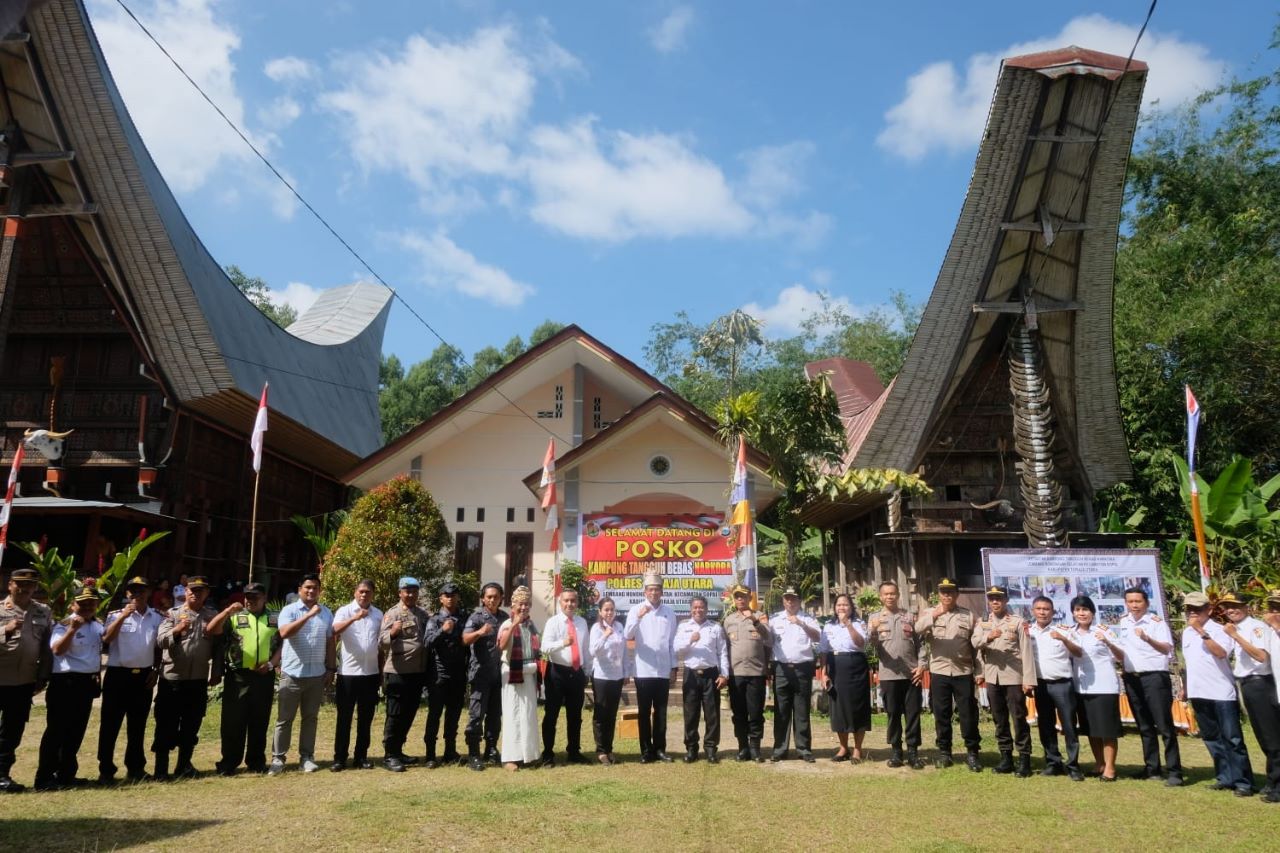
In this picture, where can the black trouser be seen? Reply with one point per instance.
(1058, 697)
(15, 710)
(1151, 700)
(356, 695)
(566, 688)
(1007, 702)
(404, 695)
(445, 696)
(605, 695)
(792, 691)
(651, 696)
(180, 707)
(701, 699)
(953, 694)
(902, 698)
(67, 705)
(1260, 703)
(484, 712)
(247, 697)
(746, 701)
(125, 695)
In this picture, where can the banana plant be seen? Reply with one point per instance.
(57, 574)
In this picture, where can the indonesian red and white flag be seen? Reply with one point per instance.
(8, 498)
(548, 485)
(259, 430)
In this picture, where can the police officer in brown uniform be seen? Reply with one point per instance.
(1008, 670)
(404, 639)
(897, 646)
(949, 630)
(190, 664)
(749, 639)
(25, 663)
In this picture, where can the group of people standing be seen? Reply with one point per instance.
(489, 661)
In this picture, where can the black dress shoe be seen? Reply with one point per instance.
(776, 756)
(476, 763)
(432, 763)
(46, 785)
(1076, 775)
(135, 778)
(895, 759)
(713, 757)
(744, 755)
(1005, 765)
(647, 758)
(8, 786)
(972, 762)
(1053, 770)
(1244, 792)
(663, 757)
(395, 765)
(409, 760)
(186, 771)
(226, 772)
(1145, 773)
(806, 757)
(756, 755)
(1219, 786)
(1272, 796)
(691, 756)
(577, 758)
(548, 759)
(844, 756)
(943, 761)
(338, 766)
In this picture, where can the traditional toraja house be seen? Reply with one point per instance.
(121, 333)
(631, 458)
(1007, 402)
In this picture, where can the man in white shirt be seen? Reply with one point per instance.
(706, 670)
(77, 657)
(356, 626)
(652, 625)
(1252, 668)
(1055, 692)
(133, 661)
(564, 641)
(1212, 690)
(794, 634)
(1147, 642)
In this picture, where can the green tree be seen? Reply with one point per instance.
(880, 337)
(543, 331)
(1198, 292)
(393, 531)
(259, 293)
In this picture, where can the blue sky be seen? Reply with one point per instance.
(607, 163)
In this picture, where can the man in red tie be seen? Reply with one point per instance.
(564, 641)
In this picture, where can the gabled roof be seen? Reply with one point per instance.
(1044, 204)
(568, 346)
(211, 347)
(675, 409)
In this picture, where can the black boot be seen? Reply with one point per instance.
(943, 761)
(162, 766)
(184, 770)
(914, 761)
(1024, 766)
(895, 759)
(713, 756)
(1006, 763)
(973, 763)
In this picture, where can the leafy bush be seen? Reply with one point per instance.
(394, 530)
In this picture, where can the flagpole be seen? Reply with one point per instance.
(253, 523)
(1197, 516)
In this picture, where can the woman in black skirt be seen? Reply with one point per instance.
(847, 678)
(1095, 651)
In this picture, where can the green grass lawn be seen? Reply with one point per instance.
(787, 806)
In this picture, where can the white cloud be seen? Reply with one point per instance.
(629, 186)
(775, 172)
(289, 69)
(297, 295)
(795, 304)
(280, 113)
(187, 139)
(436, 110)
(447, 265)
(672, 32)
(945, 108)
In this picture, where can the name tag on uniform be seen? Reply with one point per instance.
(242, 621)
(129, 627)
(753, 634)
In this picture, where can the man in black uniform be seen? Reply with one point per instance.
(446, 676)
(484, 714)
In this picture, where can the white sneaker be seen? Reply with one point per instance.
(309, 766)
(276, 768)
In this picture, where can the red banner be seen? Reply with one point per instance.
(692, 552)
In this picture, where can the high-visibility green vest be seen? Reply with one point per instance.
(251, 638)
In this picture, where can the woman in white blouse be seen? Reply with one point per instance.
(847, 677)
(518, 645)
(608, 648)
(1094, 654)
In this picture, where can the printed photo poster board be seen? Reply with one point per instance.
(692, 552)
(1061, 574)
